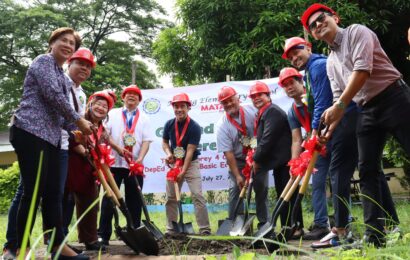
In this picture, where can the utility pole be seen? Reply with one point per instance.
(133, 71)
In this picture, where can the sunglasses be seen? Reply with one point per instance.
(320, 19)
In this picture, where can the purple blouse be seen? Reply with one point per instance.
(44, 108)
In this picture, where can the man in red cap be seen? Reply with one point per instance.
(130, 129)
(360, 71)
(180, 141)
(341, 157)
(234, 132)
(272, 152)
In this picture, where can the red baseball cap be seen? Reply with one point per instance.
(311, 10)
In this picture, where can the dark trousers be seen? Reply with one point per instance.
(281, 178)
(343, 162)
(387, 113)
(87, 227)
(28, 148)
(11, 234)
(131, 199)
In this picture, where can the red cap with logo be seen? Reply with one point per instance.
(286, 73)
(83, 54)
(259, 87)
(104, 94)
(291, 43)
(130, 88)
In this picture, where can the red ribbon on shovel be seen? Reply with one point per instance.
(173, 173)
(246, 171)
(136, 169)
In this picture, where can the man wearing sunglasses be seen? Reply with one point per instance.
(360, 71)
(341, 158)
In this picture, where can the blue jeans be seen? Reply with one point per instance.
(11, 234)
(343, 163)
(319, 201)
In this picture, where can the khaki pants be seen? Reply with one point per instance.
(193, 179)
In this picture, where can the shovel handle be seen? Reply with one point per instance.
(308, 173)
(107, 188)
(177, 194)
(243, 191)
(292, 189)
(287, 187)
(111, 181)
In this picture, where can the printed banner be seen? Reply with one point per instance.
(205, 110)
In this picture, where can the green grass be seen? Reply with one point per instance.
(399, 249)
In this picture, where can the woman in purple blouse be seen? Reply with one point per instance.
(44, 109)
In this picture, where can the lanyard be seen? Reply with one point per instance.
(134, 122)
(260, 113)
(99, 133)
(242, 129)
(178, 136)
(304, 121)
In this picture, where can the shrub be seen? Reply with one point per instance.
(9, 179)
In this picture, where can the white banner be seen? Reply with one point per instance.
(205, 110)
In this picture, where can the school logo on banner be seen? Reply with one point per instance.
(151, 106)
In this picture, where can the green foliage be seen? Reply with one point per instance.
(96, 20)
(396, 155)
(244, 38)
(9, 179)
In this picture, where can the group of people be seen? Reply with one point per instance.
(355, 91)
(358, 93)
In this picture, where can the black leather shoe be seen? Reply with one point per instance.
(96, 246)
(64, 257)
(76, 250)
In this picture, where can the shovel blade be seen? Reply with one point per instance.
(247, 226)
(153, 229)
(225, 227)
(183, 228)
(237, 225)
(263, 232)
(139, 240)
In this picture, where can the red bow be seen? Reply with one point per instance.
(299, 165)
(136, 169)
(313, 144)
(175, 171)
(246, 171)
(106, 157)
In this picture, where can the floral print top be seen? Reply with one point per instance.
(44, 108)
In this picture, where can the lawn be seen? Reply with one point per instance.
(398, 249)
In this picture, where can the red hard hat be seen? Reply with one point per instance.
(104, 94)
(225, 93)
(291, 43)
(259, 87)
(286, 73)
(181, 97)
(131, 88)
(112, 94)
(83, 54)
(311, 10)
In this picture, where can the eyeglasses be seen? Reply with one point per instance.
(320, 19)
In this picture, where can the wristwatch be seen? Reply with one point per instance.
(340, 104)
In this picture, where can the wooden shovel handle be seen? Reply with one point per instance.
(106, 187)
(176, 187)
(111, 181)
(309, 171)
(295, 185)
(243, 191)
(287, 187)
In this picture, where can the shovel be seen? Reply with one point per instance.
(268, 229)
(179, 226)
(228, 223)
(242, 223)
(139, 239)
(156, 232)
(147, 222)
(287, 232)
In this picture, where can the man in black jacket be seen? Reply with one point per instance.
(274, 140)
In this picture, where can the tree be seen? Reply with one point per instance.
(245, 38)
(114, 69)
(24, 30)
